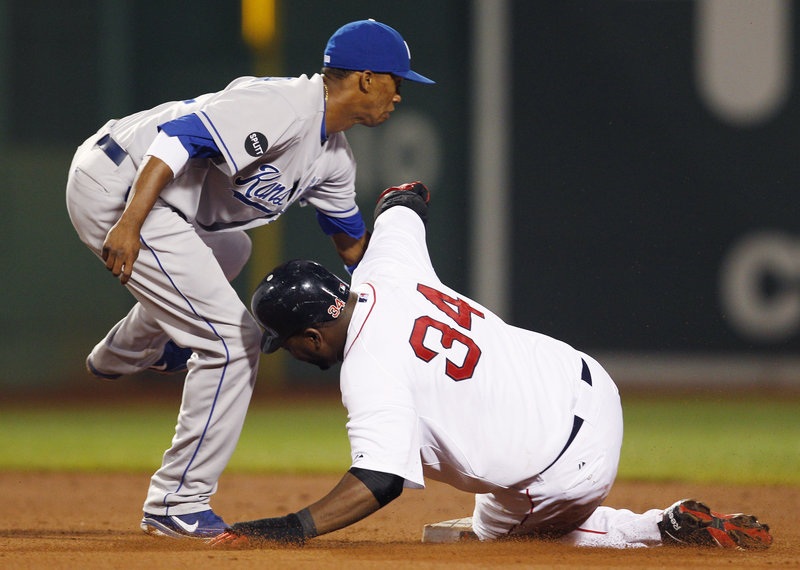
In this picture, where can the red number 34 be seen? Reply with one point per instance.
(458, 310)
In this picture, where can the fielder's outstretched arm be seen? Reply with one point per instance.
(360, 493)
(350, 249)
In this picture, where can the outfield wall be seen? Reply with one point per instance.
(618, 174)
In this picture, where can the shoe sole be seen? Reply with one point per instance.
(155, 528)
(739, 531)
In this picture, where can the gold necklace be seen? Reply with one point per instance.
(326, 91)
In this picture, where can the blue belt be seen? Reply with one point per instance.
(113, 151)
(577, 422)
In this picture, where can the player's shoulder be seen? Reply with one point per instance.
(379, 317)
(276, 84)
(392, 290)
(303, 94)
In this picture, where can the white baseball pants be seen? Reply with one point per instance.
(564, 501)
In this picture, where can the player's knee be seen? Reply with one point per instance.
(232, 250)
(236, 339)
(241, 253)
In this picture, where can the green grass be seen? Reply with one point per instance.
(694, 439)
(285, 437)
(709, 439)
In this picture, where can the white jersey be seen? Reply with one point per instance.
(415, 346)
(271, 136)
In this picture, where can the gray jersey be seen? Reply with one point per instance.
(274, 153)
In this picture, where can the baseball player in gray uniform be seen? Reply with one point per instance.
(163, 197)
(436, 385)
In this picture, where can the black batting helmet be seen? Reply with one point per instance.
(293, 296)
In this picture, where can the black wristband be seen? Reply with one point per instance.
(307, 521)
(286, 529)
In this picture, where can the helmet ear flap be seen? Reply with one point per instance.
(270, 341)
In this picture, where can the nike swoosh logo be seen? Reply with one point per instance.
(159, 367)
(190, 528)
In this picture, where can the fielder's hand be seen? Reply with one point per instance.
(120, 250)
(413, 195)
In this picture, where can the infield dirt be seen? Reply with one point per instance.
(78, 520)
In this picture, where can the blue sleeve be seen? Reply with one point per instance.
(351, 225)
(193, 135)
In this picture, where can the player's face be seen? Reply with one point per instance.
(385, 94)
(305, 349)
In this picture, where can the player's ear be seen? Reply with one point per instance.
(365, 81)
(313, 337)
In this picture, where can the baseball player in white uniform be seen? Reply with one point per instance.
(164, 196)
(437, 386)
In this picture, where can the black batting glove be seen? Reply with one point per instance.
(413, 195)
(286, 530)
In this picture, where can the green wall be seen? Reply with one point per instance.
(638, 207)
(69, 67)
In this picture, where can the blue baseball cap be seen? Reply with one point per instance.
(367, 44)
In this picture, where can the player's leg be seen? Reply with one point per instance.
(96, 194)
(601, 526)
(617, 528)
(181, 285)
(137, 342)
(687, 522)
(231, 249)
(556, 501)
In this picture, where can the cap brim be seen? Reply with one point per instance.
(414, 76)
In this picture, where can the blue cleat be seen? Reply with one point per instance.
(202, 525)
(173, 360)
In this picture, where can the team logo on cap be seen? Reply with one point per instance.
(255, 144)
